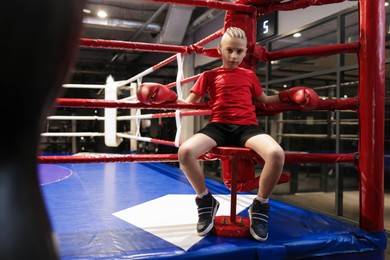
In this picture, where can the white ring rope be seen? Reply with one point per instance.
(71, 134)
(180, 75)
(138, 122)
(76, 118)
(84, 86)
(179, 78)
(110, 123)
(178, 128)
(139, 138)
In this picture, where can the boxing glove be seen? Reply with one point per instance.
(306, 98)
(155, 93)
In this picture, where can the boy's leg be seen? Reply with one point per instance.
(273, 156)
(188, 153)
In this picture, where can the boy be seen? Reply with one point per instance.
(233, 123)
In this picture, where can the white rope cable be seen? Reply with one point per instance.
(119, 84)
(136, 77)
(179, 78)
(139, 138)
(138, 112)
(75, 118)
(138, 122)
(180, 74)
(178, 128)
(65, 134)
(145, 116)
(87, 86)
(110, 122)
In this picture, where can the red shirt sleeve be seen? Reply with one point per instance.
(200, 86)
(257, 89)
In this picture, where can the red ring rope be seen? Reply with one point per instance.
(108, 158)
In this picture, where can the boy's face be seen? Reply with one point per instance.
(232, 50)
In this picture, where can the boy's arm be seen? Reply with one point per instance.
(263, 98)
(193, 98)
(305, 97)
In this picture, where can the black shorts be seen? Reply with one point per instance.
(229, 134)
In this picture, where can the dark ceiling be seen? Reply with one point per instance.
(134, 21)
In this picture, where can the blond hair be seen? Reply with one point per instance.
(235, 32)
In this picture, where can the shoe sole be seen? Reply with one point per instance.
(210, 227)
(254, 235)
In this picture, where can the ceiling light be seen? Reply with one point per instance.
(102, 14)
(86, 11)
(296, 35)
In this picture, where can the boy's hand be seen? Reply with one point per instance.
(155, 93)
(306, 98)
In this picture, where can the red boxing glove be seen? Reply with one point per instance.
(155, 93)
(306, 98)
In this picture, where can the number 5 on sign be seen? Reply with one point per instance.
(265, 27)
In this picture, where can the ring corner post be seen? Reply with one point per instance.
(371, 113)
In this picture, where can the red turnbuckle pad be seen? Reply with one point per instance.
(223, 226)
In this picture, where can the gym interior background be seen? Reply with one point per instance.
(330, 189)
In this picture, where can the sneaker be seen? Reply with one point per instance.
(258, 215)
(207, 209)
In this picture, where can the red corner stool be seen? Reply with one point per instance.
(238, 171)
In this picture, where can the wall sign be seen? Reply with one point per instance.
(267, 26)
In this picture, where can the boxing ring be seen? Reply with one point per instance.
(120, 206)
